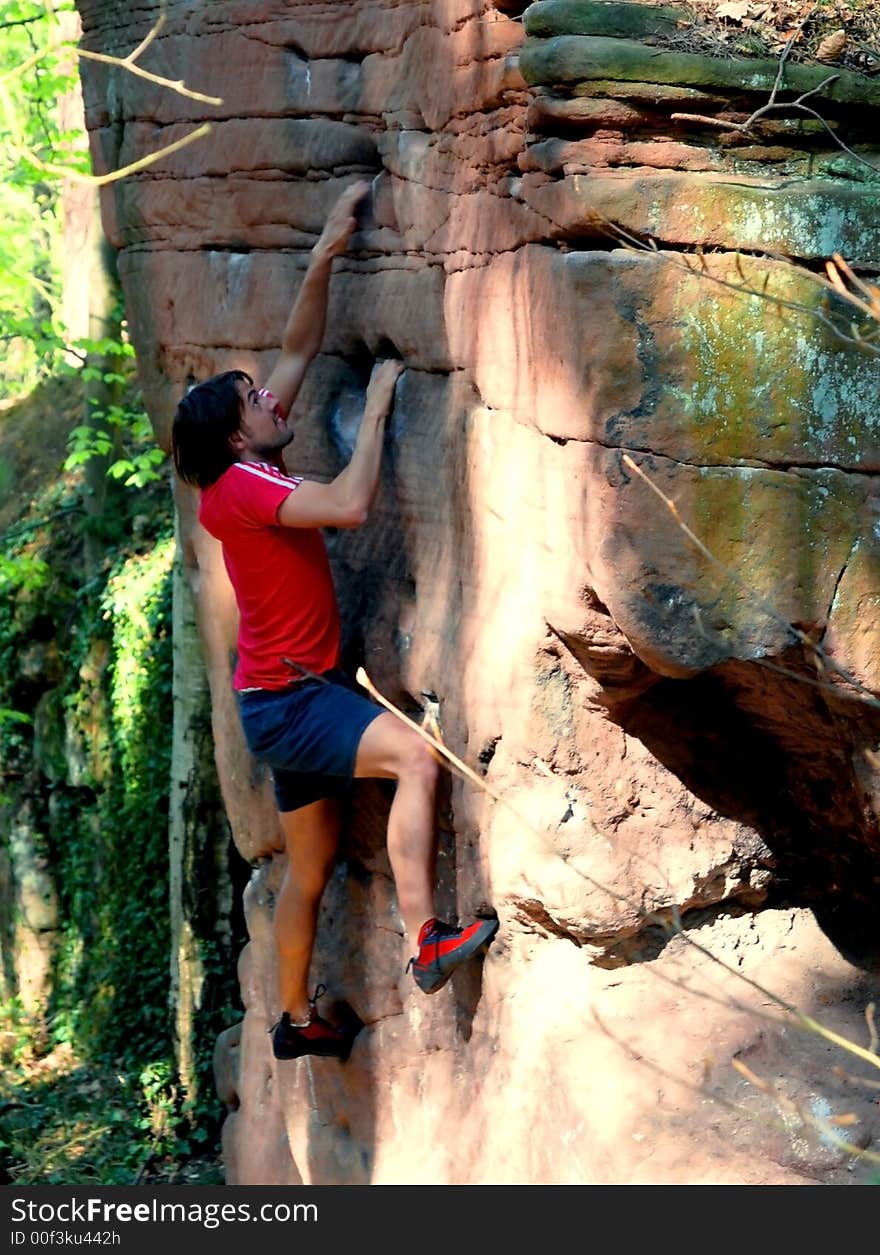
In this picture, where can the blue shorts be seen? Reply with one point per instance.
(308, 735)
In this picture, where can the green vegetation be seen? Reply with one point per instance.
(88, 1082)
(33, 79)
(85, 742)
(116, 423)
(69, 1123)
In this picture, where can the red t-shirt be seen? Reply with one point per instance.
(281, 577)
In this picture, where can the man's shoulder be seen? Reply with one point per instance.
(245, 478)
(262, 472)
(247, 491)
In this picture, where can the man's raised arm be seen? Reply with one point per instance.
(304, 332)
(346, 500)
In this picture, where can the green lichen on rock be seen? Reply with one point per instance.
(765, 377)
(768, 386)
(600, 17)
(808, 219)
(816, 218)
(570, 59)
(782, 537)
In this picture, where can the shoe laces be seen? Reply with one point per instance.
(320, 990)
(443, 930)
(437, 930)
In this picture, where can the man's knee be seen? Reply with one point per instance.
(416, 762)
(388, 748)
(312, 881)
(308, 875)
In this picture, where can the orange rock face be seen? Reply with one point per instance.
(629, 491)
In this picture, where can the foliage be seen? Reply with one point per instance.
(36, 71)
(85, 727)
(107, 839)
(64, 1122)
(112, 967)
(117, 431)
(99, 438)
(100, 819)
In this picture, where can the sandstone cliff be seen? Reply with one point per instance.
(676, 782)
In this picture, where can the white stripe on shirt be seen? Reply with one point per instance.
(267, 472)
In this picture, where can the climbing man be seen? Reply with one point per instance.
(301, 715)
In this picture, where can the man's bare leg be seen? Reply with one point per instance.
(389, 749)
(311, 835)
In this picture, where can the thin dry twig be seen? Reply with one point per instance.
(129, 63)
(838, 270)
(850, 1079)
(825, 1127)
(100, 180)
(773, 103)
(852, 335)
(728, 125)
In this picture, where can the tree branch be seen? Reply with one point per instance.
(100, 180)
(125, 63)
(772, 103)
(850, 335)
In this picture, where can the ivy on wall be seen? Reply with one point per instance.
(85, 749)
(86, 554)
(85, 691)
(111, 855)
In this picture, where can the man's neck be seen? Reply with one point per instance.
(272, 458)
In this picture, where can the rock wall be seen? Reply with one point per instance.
(623, 502)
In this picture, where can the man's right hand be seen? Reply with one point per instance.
(380, 389)
(341, 222)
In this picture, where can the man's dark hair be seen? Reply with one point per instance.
(206, 418)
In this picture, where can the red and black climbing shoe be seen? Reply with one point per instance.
(316, 1037)
(443, 948)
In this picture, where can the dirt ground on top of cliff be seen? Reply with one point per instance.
(843, 36)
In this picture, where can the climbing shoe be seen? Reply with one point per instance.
(316, 1037)
(443, 948)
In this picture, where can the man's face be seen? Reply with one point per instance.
(262, 432)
